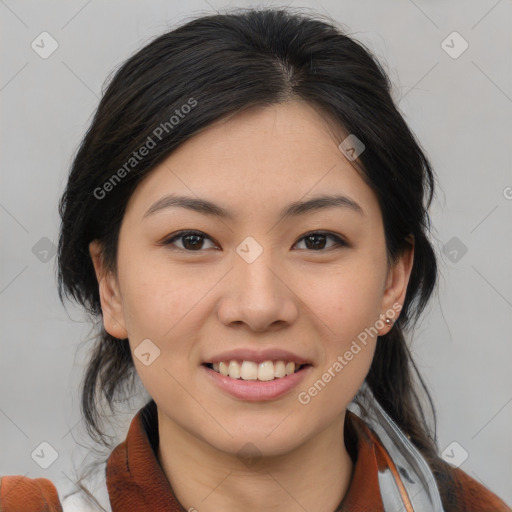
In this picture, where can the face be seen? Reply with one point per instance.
(253, 285)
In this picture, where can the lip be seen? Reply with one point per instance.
(258, 356)
(255, 390)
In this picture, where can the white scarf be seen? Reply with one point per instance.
(417, 478)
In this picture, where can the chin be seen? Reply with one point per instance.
(250, 449)
(264, 441)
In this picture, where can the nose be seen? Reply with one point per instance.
(258, 295)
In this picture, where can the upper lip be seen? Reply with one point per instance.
(258, 356)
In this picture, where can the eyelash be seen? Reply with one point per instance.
(181, 234)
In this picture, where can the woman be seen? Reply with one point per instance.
(248, 216)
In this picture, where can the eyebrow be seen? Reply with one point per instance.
(294, 209)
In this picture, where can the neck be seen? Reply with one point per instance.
(314, 476)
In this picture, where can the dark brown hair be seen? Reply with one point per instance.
(227, 63)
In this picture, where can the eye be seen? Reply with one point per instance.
(317, 240)
(191, 241)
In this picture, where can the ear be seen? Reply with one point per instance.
(396, 286)
(110, 297)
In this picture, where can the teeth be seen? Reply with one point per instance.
(223, 369)
(266, 371)
(279, 369)
(290, 368)
(234, 370)
(249, 370)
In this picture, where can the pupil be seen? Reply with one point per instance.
(316, 244)
(194, 244)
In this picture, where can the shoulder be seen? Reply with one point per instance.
(35, 494)
(42, 495)
(472, 496)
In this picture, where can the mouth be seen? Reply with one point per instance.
(250, 370)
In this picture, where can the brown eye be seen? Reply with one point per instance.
(194, 241)
(317, 241)
(191, 241)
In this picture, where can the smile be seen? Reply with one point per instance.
(250, 370)
(243, 380)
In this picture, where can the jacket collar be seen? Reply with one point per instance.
(137, 482)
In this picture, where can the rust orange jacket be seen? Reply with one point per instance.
(136, 481)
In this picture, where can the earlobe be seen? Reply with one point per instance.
(110, 297)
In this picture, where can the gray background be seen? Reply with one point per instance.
(459, 108)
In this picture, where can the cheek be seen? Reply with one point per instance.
(347, 300)
(159, 305)
(156, 298)
(166, 305)
(347, 306)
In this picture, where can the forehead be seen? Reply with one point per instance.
(257, 159)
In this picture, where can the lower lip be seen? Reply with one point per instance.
(256, 390)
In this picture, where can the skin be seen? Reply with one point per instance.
(195, 304)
